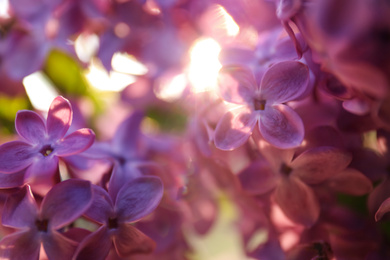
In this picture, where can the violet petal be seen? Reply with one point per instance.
(258, 178)
(74, 143)
(65, 202)
(101, 207)
(30, 126)
(59, 118)
(298, 201)
(96, 246)
(284, 81)
(20, 245)
(13, 180)
(237, 84)
(20, 209)
(15, 156)
(138, 198)
(58, 246)
(42, 166)
(127, 136)
(129, 240)
(319, 164)
(234, 128)
(281, 126)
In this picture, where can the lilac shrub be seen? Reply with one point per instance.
(286, 146)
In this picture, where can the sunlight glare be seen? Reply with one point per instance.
(232, 29)
(125, 63)
(4, 9)
(171, 88)
(101, 80)
(40, 90)
(204, 65)
(86, 45)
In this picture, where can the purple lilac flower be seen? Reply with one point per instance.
(135, 200)
(43, 142)
(262, 104)
(38, 226)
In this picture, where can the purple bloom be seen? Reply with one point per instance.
(135, 200)
(35, 225)
(43, 143)
(262, 104)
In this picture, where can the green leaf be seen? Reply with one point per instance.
(9, 106)
(66, 74)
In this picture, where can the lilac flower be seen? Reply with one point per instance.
(135, 200)
(38, 226)
(43, 143)
(125, 152)
(262, 104)
(292, 179)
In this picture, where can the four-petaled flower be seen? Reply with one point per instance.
(135, 200)
(43, 142)
(38, 226)
(263, 103)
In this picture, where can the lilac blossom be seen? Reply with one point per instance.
(262, 105)
(291, 179)
(43, 142)
(40, 225)
(135, 200)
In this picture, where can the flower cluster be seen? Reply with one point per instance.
(288, 141)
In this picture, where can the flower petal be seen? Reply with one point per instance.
(122, 174)
(258, 178)
(13, 180)
(30, 126)
(127, 136)
(74, 143)
(234, 128)
(138, 198)
(58, 246)
(101, 207)
(319, 164)
(59, 118)
(65, 202)
(352, 182)
(281, 126)
(236, 84)
(298, 201)
(96, 246)
(285, 81)
(20, 246)
(20, 209)
(42, 166)
(383, 209)
(129, 240)
(15, 156)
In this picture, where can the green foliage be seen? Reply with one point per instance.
(9, 106)
(169, 119)
(65, 73)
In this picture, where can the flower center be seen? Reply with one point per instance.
(42, 224)
(46, 150)
(112, 223)
(259, 104)
(285, 169)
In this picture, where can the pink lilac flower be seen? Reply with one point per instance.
(135, 200)
(262, 105)
(38, 226)
(43, 142)
(291, 179)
